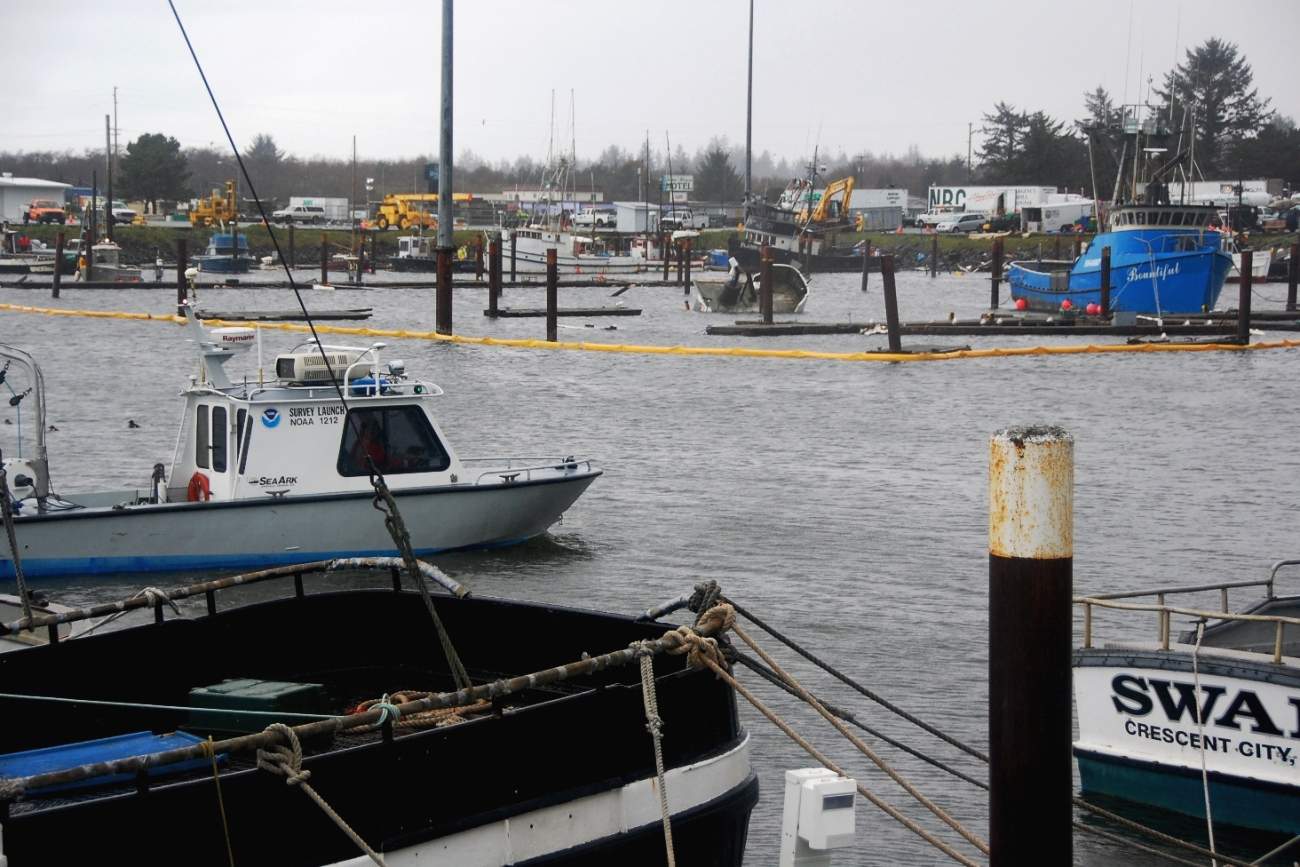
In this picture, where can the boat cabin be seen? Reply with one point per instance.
(1130, 218)
(416, 246)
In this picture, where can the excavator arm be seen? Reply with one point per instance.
(842, 187)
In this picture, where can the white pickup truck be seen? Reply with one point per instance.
(681, 219)
(591, 218)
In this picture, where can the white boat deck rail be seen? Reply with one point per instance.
(516, 466)
(1163, 611)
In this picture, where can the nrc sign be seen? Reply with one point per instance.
(679, 183)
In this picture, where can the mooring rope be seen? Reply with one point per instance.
(1200, 728)
(862, 747)
(6, 509)
(1160, 835)
(286, 761)
(654, 724)
(221, 803)
(844, 678)
(1124, 841)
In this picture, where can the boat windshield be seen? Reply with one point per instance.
(399, 439)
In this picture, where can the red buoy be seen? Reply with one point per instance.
(1092, 309)
(1066, 305)
(1021, 304)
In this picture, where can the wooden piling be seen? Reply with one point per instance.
(373, 241)
(182, 263)
(234, 248)
(686, 261)
(1243, 298)
(866, 257)
(1105, 281)
(324, 258)
(934, 256)
(552, 296)
(765, 284)
(1292, 277)
(442, 314)
(1031, 568)
(891, 302)
(494, 276)
(59, 241)
(293, 262)
(995, 282)
(478, 258)
(361, 258)
(513, 242)
(667, 256)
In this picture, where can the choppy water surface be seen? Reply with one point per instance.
(846, 502)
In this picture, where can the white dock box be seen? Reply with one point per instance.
(819, 813)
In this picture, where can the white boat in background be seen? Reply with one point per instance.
(1259, 265)
(1140, 738)
(273, 474)
(739, 292)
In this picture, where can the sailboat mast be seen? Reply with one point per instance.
(749, 107)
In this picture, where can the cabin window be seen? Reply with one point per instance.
(241, 416)
(1164, 218)
(201, 437)
(399, 439)
(243, 451)
(1176, 219)
(1140, 217)
(220, 437)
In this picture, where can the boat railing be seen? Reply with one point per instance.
(1164, 611)
(510, 469)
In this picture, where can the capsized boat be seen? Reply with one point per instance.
(798, 227)
(1140, 738)
(275, 473)
(221, 256)
(1164, 259)
(562, 773)
(739, 292)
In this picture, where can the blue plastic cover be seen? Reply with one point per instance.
(61, 758)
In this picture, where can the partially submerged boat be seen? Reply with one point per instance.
(526, 764)
(105, 265)
(276, 472)
(225, 255)
(1141, 737)
(739, 292)
(1165, 259)
(798, 227)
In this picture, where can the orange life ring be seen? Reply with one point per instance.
(199, 489)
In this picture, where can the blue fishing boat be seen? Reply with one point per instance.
(1165, 259)
(218, 257)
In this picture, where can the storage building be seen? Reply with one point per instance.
(17, 193)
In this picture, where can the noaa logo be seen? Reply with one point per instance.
(270, 417)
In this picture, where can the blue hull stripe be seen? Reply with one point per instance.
(1235, 801)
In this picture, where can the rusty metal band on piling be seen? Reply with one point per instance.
(1243, 297)
(995, 282)
(891, 302)
(552, 297)
(182, 291)
(442, 301)
(1031, 562)
(1292, 277)
(765, 284)
(1105, 281)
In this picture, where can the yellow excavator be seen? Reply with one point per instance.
(215, 210)
(412, 210)
(826, 209)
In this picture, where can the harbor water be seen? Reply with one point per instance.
(844, 502)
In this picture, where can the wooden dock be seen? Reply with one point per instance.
(284, 315)
(535, 312)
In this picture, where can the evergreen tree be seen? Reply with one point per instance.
(1003, 131)
(1215, 83)
(715, 179)
(1273, 153)
(1104, 128)
(154, 168)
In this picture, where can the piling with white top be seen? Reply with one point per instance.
(1031, 563)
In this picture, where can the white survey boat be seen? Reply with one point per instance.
(280, 473)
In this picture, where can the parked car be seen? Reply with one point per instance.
(593, 218)
(679, 219)
(968, 222)
(121, 213)
(45, 211)
(299, 214)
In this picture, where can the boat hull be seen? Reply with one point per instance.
(223, 264)
(266, 532)
(1139, 740)
(712, 293)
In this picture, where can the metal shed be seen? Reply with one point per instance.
(17, 193)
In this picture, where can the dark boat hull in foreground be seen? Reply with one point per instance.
(561, 775)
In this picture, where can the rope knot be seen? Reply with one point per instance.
(387, 711)
(698, 648)
(284, 760)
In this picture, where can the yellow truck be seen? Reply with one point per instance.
(208, 212)
(412, 210)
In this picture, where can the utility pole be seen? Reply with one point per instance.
(108, 160)
(445, 238)
(749, 106)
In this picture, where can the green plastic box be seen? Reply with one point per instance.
(223, 708)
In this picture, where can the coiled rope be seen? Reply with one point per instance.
(880, 357)
(286, 761)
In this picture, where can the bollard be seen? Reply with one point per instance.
(512, 257)
(1243, 298)
(1292, 273)
(765, 284)
(866, 257)
(59, 240)
(292, 258)
(1031, 567)
(552, 296)
(494, 276)
(934, 256)
(1105, 281)
(324, 258)
(995, 281)
(891, 302)
(686, 260)
(442, 322)
(478, 259)
(182, 291)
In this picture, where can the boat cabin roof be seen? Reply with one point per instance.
(1128, 218)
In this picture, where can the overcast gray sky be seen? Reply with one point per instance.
(849, 75)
